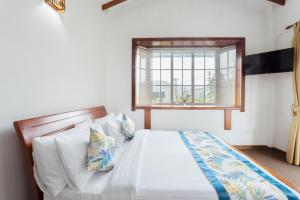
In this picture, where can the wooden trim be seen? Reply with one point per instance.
(253, 147)
(187, 42)
(194, 42)
(227, 119)
(116, 2)
(133, 76)
(272, 172)
(278, 150)
(29, 129)
(280, 2)
(111, 4)
(258, 147)
(147, 118)
(174, 107)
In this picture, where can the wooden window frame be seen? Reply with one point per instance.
(194, 42)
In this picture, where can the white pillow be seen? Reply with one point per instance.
(103, 121)
(72, 150)
(48, 171)
(114, 129)
(97, 127)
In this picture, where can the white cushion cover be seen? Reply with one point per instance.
(72, 150)
(48, 171)
(114, 129)
(103, 121)
(128, 127)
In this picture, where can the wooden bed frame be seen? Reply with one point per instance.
(28, 129)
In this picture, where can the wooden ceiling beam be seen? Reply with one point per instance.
(116, 2)
(280, 2)
(111, 4)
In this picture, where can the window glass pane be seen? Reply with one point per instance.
(143, 63)
(187, 77)
(199, 77)
(138, 61)
(177, 61)
(138, 78)
(209, 94)
(232, 58)
(223, 60)
(166, 94)
(187, 61)
(177, 77)
(166, 60)
(199, 94)
(187, 94)
(210, 77)
(177, 94)
(165, 77)
(199, 61)
(210, 61)
(143, 76)
(155, 94)
(231, 73)
(155, 61)
(223, 74)
(155, 77)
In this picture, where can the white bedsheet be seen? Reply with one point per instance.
(155, 166)
(167, 171)
(93, 190)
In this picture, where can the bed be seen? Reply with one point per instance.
(157, 165)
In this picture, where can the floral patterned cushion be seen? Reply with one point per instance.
(100, 151)
(128, 127)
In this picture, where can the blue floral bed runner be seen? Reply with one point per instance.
(232, 175)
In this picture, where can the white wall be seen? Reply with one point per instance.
(49, 63)
(200, 18)
(282, 83)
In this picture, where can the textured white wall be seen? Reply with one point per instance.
(200, 18)
(49, 63)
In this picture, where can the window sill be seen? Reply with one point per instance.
(188, 107)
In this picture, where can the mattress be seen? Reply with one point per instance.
(155, 165)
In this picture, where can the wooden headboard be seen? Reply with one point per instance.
(28, 129)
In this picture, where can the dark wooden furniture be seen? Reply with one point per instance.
(28, 129)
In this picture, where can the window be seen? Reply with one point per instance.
(188, 74)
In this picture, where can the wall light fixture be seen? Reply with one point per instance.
(58, 5)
